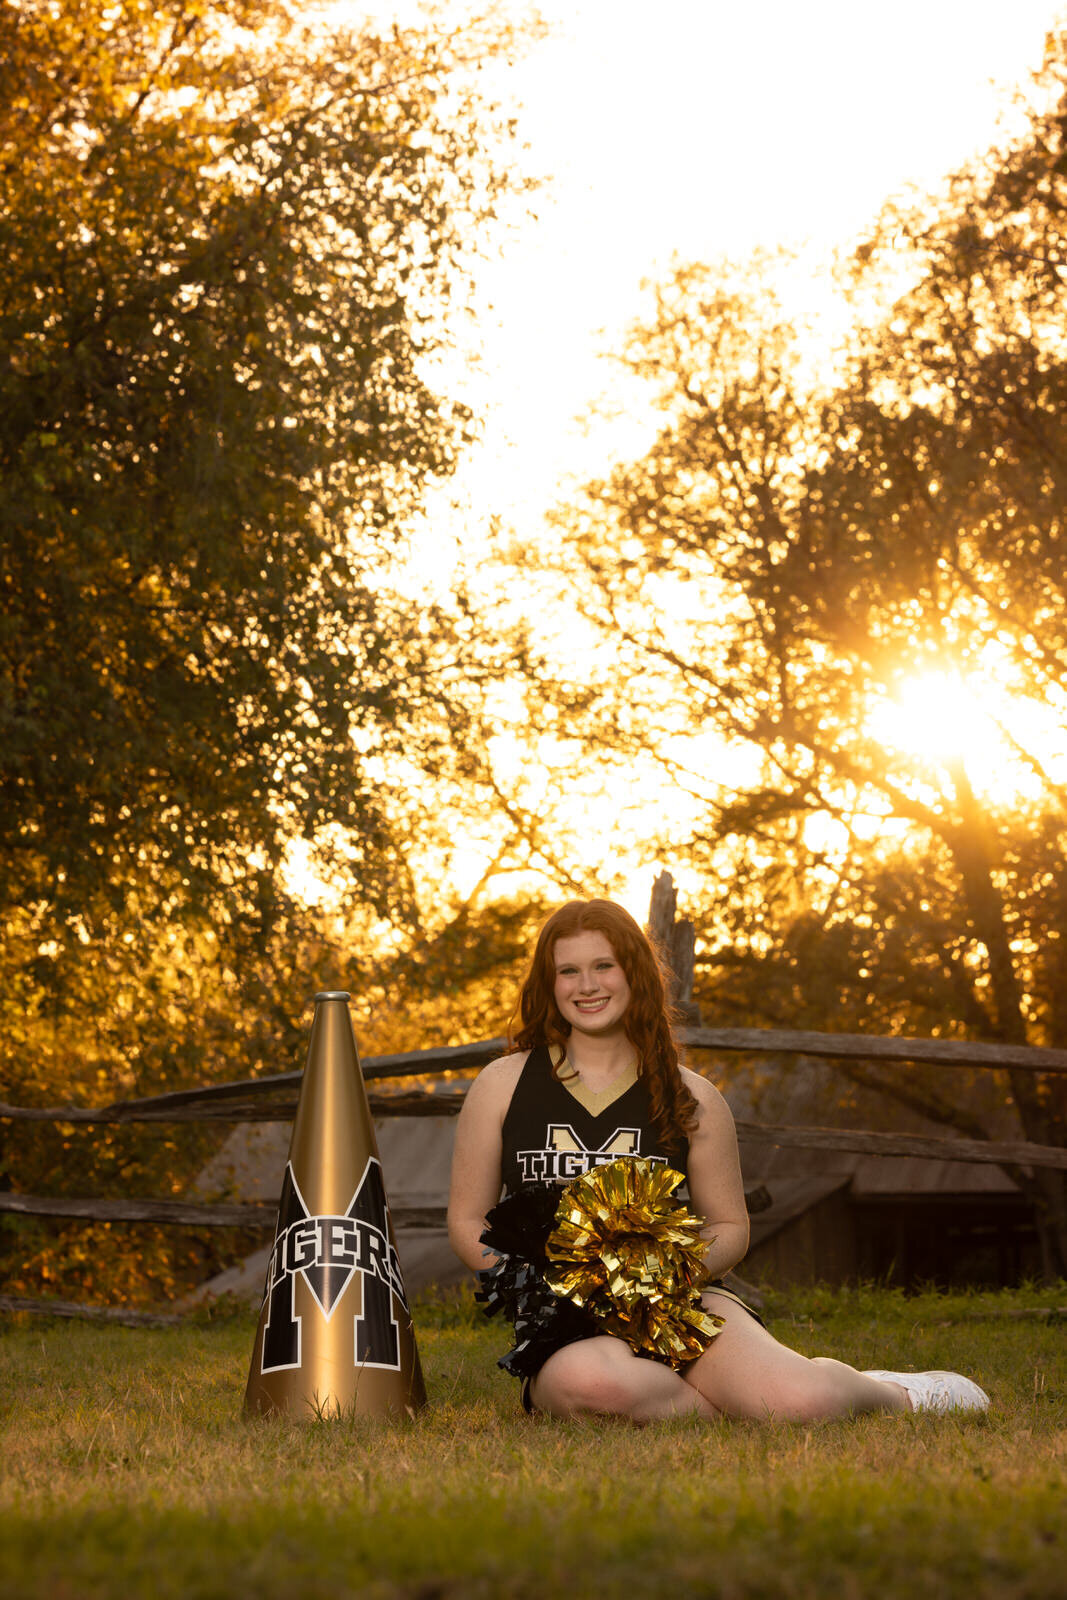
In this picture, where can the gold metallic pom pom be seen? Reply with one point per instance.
(630, 1253)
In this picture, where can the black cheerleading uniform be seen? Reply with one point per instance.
(548, 1135)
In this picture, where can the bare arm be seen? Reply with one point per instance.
(715, 1186)
(476, 1159)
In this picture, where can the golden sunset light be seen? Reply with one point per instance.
(460, 459)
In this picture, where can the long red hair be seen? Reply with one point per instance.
(647, 1021)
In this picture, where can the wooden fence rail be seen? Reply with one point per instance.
(273, 1098)
(978, 1151)
(866, 1047)
(273, 1107)
(856, 1140)
(116, 1316)
(185, 1213)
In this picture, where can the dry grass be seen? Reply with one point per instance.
(129, 1469)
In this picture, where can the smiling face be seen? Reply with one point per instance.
(590, 990)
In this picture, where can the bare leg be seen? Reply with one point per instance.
(602, 1376)
(745, 1372)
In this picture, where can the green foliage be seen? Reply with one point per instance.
(129, 1469)
(237, 237)
(230, 234)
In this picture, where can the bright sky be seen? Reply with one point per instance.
(702, 128)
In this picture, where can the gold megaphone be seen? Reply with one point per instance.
(335, 1336)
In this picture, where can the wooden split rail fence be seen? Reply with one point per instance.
(273, 1099)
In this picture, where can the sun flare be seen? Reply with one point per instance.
(1004, 741)
(938, 717)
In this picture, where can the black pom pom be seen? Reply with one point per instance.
(521, 1222)
(544, 1322)
(516, 1230)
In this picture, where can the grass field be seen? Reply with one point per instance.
(128, 1469)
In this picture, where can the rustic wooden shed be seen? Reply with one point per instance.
(839, 1216)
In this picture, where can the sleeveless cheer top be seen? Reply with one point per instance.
(548, 1135)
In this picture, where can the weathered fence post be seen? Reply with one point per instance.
(676, 938)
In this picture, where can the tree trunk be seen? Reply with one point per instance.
(1035, 1096)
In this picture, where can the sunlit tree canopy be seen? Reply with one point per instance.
(229, 236)
(235, 237)
(830, 606)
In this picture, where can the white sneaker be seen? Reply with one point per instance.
(937, 1391)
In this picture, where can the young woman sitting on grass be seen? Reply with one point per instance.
(596, 1075)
